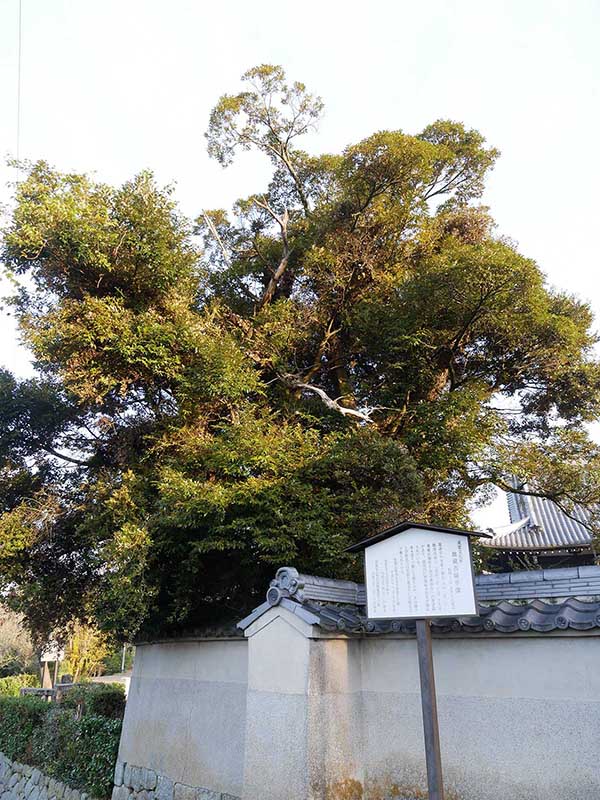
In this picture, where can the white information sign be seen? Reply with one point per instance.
(419, 573)
(52, 653)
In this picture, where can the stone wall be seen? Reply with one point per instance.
(141, 783)
(22, 782)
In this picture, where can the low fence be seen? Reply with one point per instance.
(61, 690)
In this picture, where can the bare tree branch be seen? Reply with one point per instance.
(554, 498)
(295, 382)
(70, 459)
(215, 233)
(271, 287)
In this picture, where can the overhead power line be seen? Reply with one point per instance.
(19, 47)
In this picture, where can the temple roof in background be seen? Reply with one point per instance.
(538, 524)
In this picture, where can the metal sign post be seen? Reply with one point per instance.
(421, 572)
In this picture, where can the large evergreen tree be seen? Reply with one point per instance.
(351, 346)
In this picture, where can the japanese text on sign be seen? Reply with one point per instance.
(419, 574)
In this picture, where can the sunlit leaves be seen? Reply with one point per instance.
(269, 113)
(355, 344)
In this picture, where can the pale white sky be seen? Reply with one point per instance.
(116, 86)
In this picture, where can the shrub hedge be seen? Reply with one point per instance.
(20, 717)
(12, 684)
(78, 752)
(101, 699)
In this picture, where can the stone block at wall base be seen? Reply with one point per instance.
(140, 783)
(22, 782)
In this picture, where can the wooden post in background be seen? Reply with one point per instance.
(430, 718)
(46, 677)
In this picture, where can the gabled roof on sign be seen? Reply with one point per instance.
(404, 526)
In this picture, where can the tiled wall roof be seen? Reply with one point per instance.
(340, 605)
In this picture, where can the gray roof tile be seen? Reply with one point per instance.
(505, 617)
(544, 526)
(296, 592)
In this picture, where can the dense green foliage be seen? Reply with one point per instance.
(354, 345)
(98, 699)
(20, 717)
(11, 685)
(78, 752)
(114, 660)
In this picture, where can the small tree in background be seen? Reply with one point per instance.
(16, 648)
(354, 344)
(85, 652)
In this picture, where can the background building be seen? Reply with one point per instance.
(541, 534)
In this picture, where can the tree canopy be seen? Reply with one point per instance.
(216, 398)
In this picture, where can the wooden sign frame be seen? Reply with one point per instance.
(472, 610)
